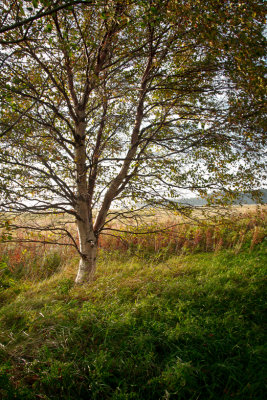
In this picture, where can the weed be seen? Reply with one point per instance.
(64, 286)
(185, 327)
(177, 314)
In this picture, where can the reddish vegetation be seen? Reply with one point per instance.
(245, 230)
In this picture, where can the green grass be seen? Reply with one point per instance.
(185, 327)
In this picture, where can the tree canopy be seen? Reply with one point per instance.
(123, 104)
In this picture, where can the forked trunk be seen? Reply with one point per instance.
(88, 249)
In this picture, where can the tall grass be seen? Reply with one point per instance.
(190, 327)
(175, 314)
(245, 230)
(158, 240)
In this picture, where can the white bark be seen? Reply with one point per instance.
(88, 249)
(87, 267)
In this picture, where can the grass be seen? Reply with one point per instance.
(150, 326)
(235, 231)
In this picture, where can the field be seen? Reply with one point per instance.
(176, 314)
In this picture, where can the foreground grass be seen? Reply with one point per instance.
(187, 327)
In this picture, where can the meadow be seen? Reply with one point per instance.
(175, 314)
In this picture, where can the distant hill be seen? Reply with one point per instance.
(243, 199)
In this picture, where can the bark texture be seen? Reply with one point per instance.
(87, 238)
(88, 249)
(87, 266)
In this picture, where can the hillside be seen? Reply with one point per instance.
(243, 199)
(163, 319)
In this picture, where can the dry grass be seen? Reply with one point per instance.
(165, 235)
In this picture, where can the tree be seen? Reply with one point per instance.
(13, 14)
(118, 105)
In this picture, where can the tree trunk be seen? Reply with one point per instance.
(87, 237)
(88, 249)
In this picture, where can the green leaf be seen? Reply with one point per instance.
(35, 3)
